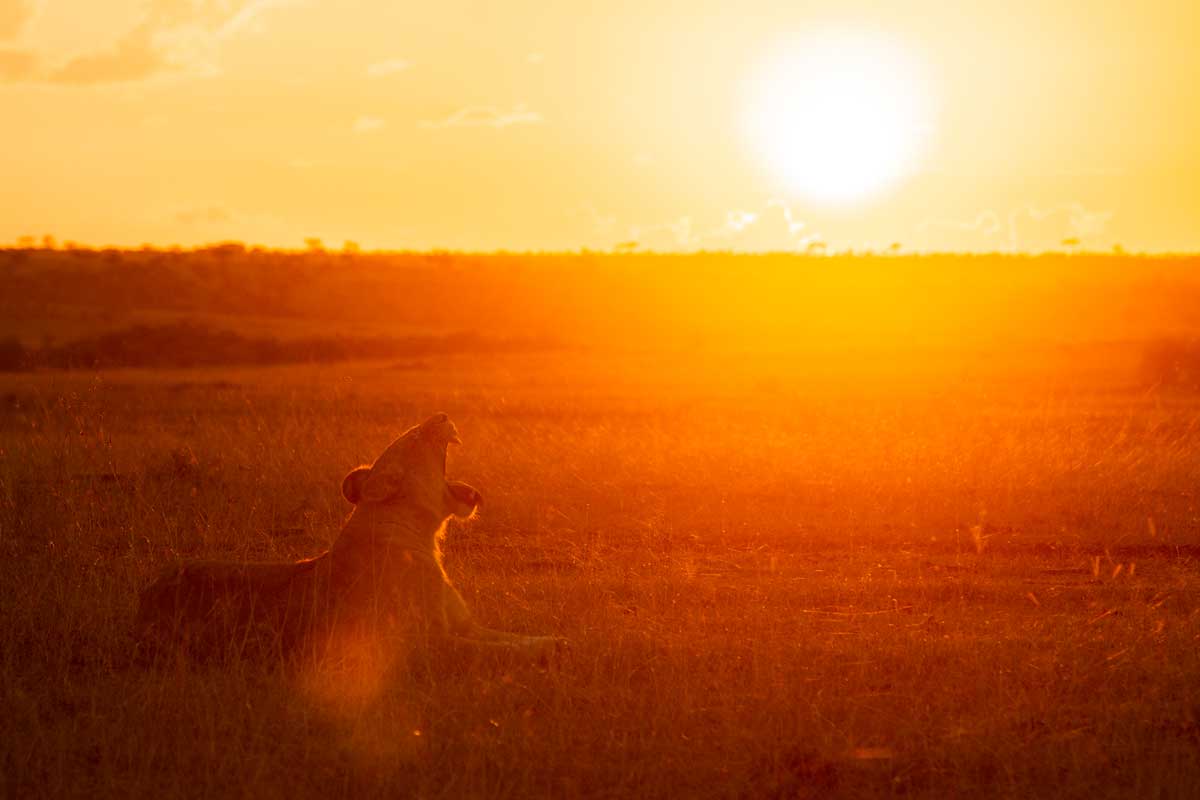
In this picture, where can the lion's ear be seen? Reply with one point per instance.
(352, 485)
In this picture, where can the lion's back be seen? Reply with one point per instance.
(216, 603)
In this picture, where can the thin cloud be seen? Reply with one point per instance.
(381, 69)
(14, 16)
(367, 124)
(249, 16)
(1028, 228)
(794, 226)
(736, 222)
(133, 58)
(986, 222)
(535, 58)
(172, 38)
(676, 235)
(486, 117)
(17, 65)
(1032, 228)
(773, 229)
(986, 231)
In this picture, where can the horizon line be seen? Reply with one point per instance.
(894, 251)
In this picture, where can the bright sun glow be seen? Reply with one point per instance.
(839, 117)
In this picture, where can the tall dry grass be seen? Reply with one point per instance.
(777, 581)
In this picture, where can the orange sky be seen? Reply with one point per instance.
(522, 125)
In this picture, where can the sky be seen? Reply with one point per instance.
(565, 125)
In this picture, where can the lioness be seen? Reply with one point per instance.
(382, 579)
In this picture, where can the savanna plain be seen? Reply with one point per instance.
(846, 526)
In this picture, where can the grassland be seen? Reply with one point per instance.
(907, 569)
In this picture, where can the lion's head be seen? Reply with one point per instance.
(412, 470)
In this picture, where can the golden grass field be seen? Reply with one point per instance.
(900, 570)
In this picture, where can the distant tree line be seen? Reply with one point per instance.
(187, 344)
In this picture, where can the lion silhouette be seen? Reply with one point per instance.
(382, 581)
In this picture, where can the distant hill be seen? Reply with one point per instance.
(229, 304)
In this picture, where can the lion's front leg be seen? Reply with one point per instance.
(463, 627)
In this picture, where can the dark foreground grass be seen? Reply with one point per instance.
(772, 588)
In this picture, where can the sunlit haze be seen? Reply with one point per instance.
(626, 398)
(991, 126)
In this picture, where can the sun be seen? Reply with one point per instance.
(838, 117)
